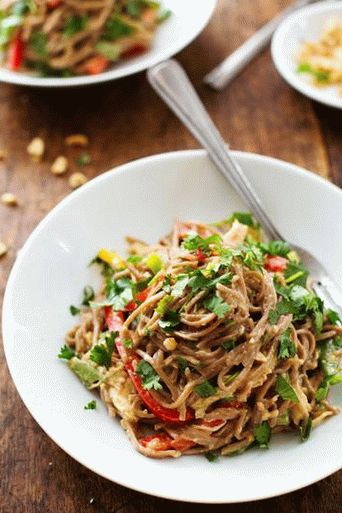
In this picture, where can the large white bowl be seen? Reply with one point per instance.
(143, 198)
(306, 24)
(189, 17)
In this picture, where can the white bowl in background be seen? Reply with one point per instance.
(188, 19)
(304, 25)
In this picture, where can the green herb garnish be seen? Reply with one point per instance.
(74, 310)
(102, 353)
(91, 405)
(262, 434)
(287, 349)
(66, 353)
(150, 379)
(216, 305)
(205, 389)
(285, 390)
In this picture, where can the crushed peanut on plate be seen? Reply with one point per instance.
(3, 249)
(9, 199)
(36, 148)
(60, 166)
(79, 140)
(77, 179)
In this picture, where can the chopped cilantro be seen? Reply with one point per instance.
(135, 8)
(305, 429)
(330, 365)
(134, 259)
(229, 345)
(91, 405)
(83, 159)
(38, 42)
(88, 295)
(333, 317)
(285, 390)
(319, 75)
(287, 349)
(243, 218)
(117, 27)
(182, 364)
(164, 15)
(275, 247)
(167, 284)
(211, 456)
(75, 24)
(216, 305)
(118, 294)
(194, 241)
(181, 283)
(262, 434)
(150, 379)
(102, 353)
(127, 343)
(169, 321)
(205, 389)
(74, 310)
(66, 353)
(199, 281)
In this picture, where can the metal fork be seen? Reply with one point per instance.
(172, 84)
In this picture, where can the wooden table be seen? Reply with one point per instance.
(125, 121)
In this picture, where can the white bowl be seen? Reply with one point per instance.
(188, 19)
(143, 198)
(304, 25)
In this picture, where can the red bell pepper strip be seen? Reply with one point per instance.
(233, 404)
(163, 442)
(201, 257)
(275, 264)
(96, 65)
(142, 296)
(52, 4)
(131, 306)
(15, 54)
(135, 50)
(168, 415)
(114, 321)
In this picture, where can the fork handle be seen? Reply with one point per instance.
(171, 82)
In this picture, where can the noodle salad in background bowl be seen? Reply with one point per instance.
(76, 42)
(206, 343)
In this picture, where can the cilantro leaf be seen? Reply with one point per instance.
(91, 405)
(102, 353)
(244, 218)
(285, 390)
(181, 283)
(66, 353)
(211, 456)
(194, 241)
(150, 379)
(38, 42)
(74, 310)
(319, 75)
(305, 429)
(83, 159)
(275, 247)
(229, 345)
(134, 259)
(199, 281)
(330, 366)
(287, 349)
(117, 27)
(127, 343)
(75, 24)
(88, 295)
(169, 321)
(333, 317)
(262, 434)
(205, 389)
(182, 364)
(216, 305)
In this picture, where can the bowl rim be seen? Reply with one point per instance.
(24, 79)
(282, 166)
(286, 73)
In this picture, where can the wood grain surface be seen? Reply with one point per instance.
(125, 120)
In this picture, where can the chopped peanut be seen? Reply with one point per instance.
(77, 140)
(9, 199)
(60, 166)
(170, 344)
(77, 179)
(36, 148)
(3, 249)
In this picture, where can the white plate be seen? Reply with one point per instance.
(189, 17)
(143, 198)
(304, 25)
